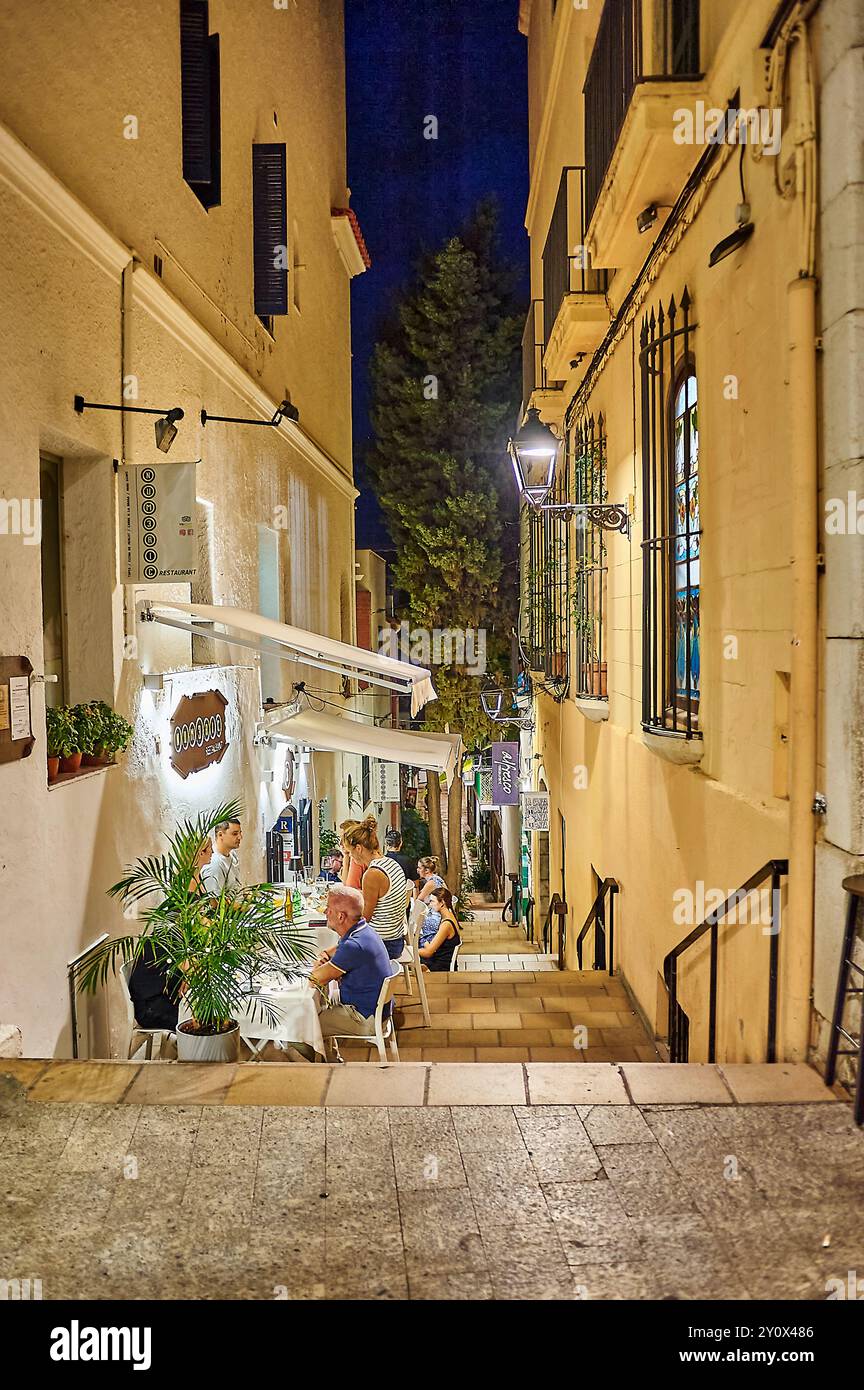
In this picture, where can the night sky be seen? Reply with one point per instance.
(464, 62)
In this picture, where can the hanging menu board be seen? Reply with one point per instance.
(16, 733)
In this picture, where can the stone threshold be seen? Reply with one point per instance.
(414, 1083)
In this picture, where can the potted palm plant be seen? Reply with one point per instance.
(210, 947)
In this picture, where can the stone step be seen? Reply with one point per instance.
(426, 1084)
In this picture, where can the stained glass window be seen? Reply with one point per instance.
(687, 533)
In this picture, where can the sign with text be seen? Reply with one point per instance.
(198, 734)
(386, 782)
(158, 515)
(505, 774)
(535, 811)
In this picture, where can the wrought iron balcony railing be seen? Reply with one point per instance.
(565, 260)
(621, 59)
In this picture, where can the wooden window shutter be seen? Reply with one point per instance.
(195, 91)
(270, 229)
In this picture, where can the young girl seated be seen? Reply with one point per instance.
(428, 878)
(439, 934)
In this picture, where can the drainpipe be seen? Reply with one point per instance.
(796, 948)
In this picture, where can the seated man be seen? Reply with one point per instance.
(360, 963)
(154, 992)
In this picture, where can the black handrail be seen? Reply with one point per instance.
(557, 908)
(679, 1024)
(597, 918)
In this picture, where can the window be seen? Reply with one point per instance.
(547, 588)
(270, 230)
(53, 618)
(588, 604)
(366, 782)
(200, 103)
(270, 606)
(672, 531)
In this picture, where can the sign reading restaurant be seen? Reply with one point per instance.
(198, 734)
(158, 508)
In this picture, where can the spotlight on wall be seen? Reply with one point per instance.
(742, 233)
(166, 430)
(154, 680)
(284, 410)
(646, 218)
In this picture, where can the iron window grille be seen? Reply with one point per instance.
(671, 546)
(590, 576)
(548, 587)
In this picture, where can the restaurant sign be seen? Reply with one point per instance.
(198, 734)
(535, 811)
(158, 509)
(505, 774)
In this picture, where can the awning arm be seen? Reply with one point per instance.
(267, 647)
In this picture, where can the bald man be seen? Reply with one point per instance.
(360, 963)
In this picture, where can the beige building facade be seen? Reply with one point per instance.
(681, 717)
(135, 229)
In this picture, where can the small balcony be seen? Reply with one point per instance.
(644, 71)
(537, 388)
(574, 294)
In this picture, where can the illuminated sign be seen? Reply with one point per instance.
(198, 734)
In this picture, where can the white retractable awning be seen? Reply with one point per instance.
(241, 628)
(332, 733)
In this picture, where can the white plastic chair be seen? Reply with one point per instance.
(385, 1031)
(410, 959)
(454, 959)
(135, 1028)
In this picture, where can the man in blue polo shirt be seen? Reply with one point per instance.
(360, 963)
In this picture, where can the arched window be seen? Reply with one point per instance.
(671, 592)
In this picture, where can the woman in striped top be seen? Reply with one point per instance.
(384, 886)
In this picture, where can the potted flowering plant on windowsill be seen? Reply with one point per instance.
(210, 947)
(64, 740)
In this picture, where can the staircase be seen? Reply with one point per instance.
(508, 1002)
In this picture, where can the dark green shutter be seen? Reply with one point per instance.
(195, 91)
(270, 228)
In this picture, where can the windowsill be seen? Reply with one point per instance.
(64, 778)
(675, 748)
(595, 709)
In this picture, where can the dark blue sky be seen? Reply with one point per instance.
(464, 62)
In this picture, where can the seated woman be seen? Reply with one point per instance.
(439, 934)
(428, 878)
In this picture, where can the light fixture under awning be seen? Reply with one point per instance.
(240, 628)
(332, 733)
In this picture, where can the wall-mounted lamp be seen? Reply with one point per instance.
(648, 216)
(285, 410)
(154, 680)
(535, 443)
(742, 233)
(166, 426)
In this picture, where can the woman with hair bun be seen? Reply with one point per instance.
(351, 872)
(383, 885)
(429, 877)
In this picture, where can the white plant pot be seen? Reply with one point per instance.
(214, 1047)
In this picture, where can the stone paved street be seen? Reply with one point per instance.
(463, 1202)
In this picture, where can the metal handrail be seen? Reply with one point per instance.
(596, 918)
(678, 1023)
(557, 907)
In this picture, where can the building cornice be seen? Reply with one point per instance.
(36, 185)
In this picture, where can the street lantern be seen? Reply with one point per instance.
(534, 444)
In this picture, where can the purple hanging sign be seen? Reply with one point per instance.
(505, 774)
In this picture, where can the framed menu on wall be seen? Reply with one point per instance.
(16, 730)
